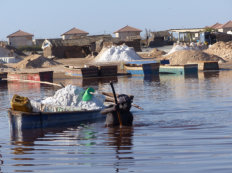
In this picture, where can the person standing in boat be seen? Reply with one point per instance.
(119, 112)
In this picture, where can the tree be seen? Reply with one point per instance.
(208, 29)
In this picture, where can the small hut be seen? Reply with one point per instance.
(74, 33)
(66, 48)
(20, 39)
(128, 32)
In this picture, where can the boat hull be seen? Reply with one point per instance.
(40, 76)
(23, 120)
(81, 72)
(92, 71)
(179, 69)
(208, 65)
(143, 69)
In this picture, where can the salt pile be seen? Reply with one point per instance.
(222, 49)
(191, 57)
(68, 99)
(192, 46)
(117, 53)
(154, 53)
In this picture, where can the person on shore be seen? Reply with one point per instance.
(119, 112)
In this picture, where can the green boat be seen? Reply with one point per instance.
(179, 69)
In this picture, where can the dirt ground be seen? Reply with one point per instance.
(78, 62)
(81, 62)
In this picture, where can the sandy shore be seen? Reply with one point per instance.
(81, 62)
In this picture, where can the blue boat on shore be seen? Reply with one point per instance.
(24, 120)
(142, 68)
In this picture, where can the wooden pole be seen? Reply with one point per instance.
(32, 81)
(116, 102)
(109, 98)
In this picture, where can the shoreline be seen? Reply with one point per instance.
(58, 70)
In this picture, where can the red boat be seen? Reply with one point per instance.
(40, 76)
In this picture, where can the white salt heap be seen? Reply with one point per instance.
(68, 99)
(117, 53)
(192, 46)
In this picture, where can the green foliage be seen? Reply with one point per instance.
(208, 29)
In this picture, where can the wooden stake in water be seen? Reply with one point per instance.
(116, 102)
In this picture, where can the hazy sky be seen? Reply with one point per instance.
(51, 18)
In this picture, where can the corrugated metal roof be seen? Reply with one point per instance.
(74, 31)
(19, 33)
(128, 29)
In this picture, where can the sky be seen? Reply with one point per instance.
(51, 18)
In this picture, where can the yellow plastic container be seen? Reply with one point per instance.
(19, 103)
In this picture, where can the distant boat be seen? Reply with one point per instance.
(39, 76)
(91, 71)
(179, 69)
(142, 68)
(84, 72)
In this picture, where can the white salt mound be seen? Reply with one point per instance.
(68, 99)
(178, 48)
(192, 46)
(117, 53)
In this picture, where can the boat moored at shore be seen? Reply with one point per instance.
(142, 68)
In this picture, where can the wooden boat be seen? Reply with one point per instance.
(108, 70)
(208, 65)
(39, 76)
(91, 71)
(142, 68)
(84, 72)
(179, 69)
(24, 120)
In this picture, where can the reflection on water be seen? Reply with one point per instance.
(185, 127)
(121, 140)
(212, 74)
(86, 82)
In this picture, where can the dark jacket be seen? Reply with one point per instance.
(112, 114)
